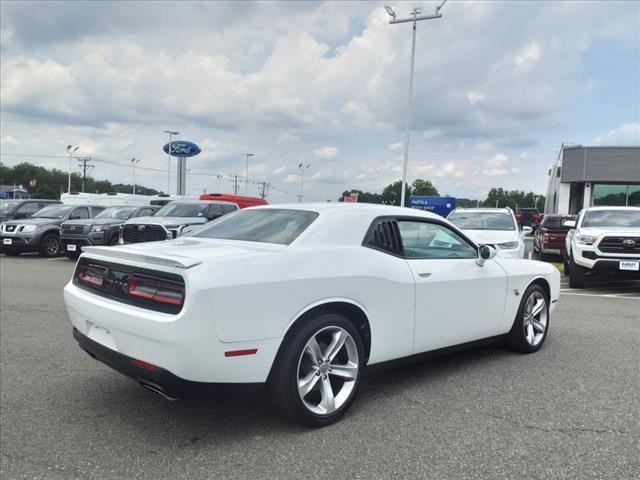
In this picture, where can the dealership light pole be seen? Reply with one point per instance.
(302, 169)
(413, 19)
(246, 170)
(171, 134)
(134, 162)
(70, 150)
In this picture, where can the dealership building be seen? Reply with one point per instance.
(583, 177)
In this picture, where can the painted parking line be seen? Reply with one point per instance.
(600, 295)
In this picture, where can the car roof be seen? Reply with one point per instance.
(200, 202)
(506, 210)
(590, 209)
(335, 208)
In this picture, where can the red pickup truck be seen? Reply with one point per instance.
(550, 235)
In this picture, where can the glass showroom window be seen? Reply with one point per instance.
(608, 195)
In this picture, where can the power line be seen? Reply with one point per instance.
(84, 166)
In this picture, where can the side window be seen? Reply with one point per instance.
(80, 213)
(432, 240)
(228, 208)
(28, 209)
(96, 210)
(214, 211)
(145, 212)
(384, 235)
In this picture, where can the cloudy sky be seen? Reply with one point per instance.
(498, 87)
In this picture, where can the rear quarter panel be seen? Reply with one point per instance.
(258, 297)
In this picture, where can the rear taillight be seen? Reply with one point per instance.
(518, 216)
(545, 238)
(536, 217)
(92, 275)
(155, 290)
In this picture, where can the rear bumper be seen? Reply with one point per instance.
(154, 378)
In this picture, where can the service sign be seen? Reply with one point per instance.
(182, 148)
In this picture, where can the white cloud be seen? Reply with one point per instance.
(483, 146)
(450, 170)
(289, 137)
(9, 140)
(495, 172)
(326, 152)
(279, 171)
(396, 147)
(498, 160)
(625, 135)
(529, 55)
(432, 133)
(474, 97)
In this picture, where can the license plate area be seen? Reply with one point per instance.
(71, 247)
(629, 265)
(101, 335)
(7, 241)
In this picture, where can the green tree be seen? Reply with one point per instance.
(392, 193)
(424, 188)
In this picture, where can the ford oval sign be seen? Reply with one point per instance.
(180, 148)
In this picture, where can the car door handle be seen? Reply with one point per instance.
(424, 274)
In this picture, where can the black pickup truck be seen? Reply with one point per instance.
(104, 229)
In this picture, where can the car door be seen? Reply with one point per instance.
(457, 300)
(79, 213)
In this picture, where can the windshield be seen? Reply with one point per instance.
(482, 220)
(183, 210)
(120, 213)
(54, 211)
(612, 218)
(6, 206)
(264, 225)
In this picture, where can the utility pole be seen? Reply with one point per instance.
(414, 19)
(234, 179)
(84, 166)
(264, 189)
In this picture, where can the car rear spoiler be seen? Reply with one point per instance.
(111, 254)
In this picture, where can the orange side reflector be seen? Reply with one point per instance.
(145, 365)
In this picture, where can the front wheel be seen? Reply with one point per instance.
(317, 372)
(530, 327)
(576, 274)
(50, 246)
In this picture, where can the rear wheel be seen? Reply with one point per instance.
(113, 239)
(317, 372)
(529, 329)
(50, 246)
(576, 274)
(565, 260)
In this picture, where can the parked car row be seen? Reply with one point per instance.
(51, 227)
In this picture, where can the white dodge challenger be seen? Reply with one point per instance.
(301, 298)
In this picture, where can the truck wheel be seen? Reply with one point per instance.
(50, 246)
(113, 239)
(565, 261)
(576, 275)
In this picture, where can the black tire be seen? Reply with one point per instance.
(283, 380)
(50, 246)
(538, 255)
(576, 274)
(11, 253)
(565, 261)
(517, 337)
(113, 239)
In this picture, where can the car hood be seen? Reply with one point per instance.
(95, 221)
(492, 236)
(609, 231)
(167, 221)
(35, 221)
(182, 252)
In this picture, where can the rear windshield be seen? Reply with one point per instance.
(7, 206)
(120, 213)
(482, 220)
(557, 222)
(264, 225)
(183, 210)
(612, 218)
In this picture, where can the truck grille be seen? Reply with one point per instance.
(75, 228)
(620, 245)
(133, 233)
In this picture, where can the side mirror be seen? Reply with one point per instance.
(527, 230)
(569, 223)
(485, 252)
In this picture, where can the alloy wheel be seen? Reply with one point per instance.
(536, 316)
(327, 370)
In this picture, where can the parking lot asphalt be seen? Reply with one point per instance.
(569, 411)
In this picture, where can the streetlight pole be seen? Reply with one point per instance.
(134, 162)
(302, 169)
(413, 19)
(171, 134)
(219, 176)
(246, 171)
(70, 150)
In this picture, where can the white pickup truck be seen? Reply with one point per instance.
(603, 240)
